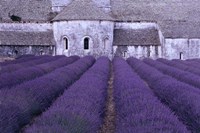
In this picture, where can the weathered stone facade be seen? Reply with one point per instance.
(112, 27)
(138, 40)
(100, 34)
(181, 48)
(26, 38)
(140, 52)
(13, 51)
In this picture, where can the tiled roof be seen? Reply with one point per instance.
(82, 10)
(28, 10)
(180, 29)
(177, 18)
(26, 38)
(136, 37)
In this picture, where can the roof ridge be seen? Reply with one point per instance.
(82, 10)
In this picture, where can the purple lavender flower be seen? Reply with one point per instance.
(32, 97)
(181, 75)
(33, 62)
(8, 80)
(138, 109)
(182, 98)
(81, 107)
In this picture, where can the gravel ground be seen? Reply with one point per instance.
(109, 120)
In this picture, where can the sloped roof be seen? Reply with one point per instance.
(82, 10)
(28, 10)
(180, 29)
(156, 10)
(177, 18)
(136, 10)
(26, 38)
(134, 37)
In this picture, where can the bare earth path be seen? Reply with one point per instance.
(109, 120)
(110, 113)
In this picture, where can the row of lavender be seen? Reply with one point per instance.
(176, 88)
(137, 107)
(138, 110)
(27, 63)
(81, 108)
(19, 60)
(180, 73)
(19, 104)
(8, 80)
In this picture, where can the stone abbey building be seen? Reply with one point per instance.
(139, 28)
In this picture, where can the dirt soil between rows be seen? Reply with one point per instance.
(110, 112)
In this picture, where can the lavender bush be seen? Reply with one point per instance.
(20, 60)
(80, 109)
(195, 62)
(192, 64)
(33, 97)
(181, 66)
(181, 75)
(182, 98)
(138, 110)
(25, 56)
(181, 62)
(41, 60)
(14, 78)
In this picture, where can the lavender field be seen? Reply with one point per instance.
(59, 94)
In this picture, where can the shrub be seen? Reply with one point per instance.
(181, 66)
(181, 75)
(182, 98)
(21, 60)
(33, 97)
(14, 78)
(138, 110)
(14, 67)
(81, 107)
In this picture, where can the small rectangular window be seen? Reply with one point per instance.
(66, 46)
(181, 55)
(86, 43)
(66, 43)
(125, 54)
(86, 46)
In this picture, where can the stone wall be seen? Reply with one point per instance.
(103, 4)
(99, 32)
(30, 27)
(101, 40)
(135, 50)
(194, 48)
(14, 51)
(181, 48)
(135, 25)
(58, 5)
(139, 52)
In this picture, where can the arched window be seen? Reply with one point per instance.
(181, 55)
(106, 43)
(16, 52)
(86, 43)
(41, 51)
(66, 43)
(125, 54)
